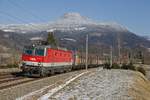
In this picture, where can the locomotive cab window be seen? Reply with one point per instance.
(39, 52)
(28, 51)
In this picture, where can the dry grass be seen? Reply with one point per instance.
(141, 88)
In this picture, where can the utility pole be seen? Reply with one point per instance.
(119, 56)
(111, 58)
(86, 52)
(131, 55)
(0, 60)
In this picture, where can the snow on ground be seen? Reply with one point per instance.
(53, 91)
(101, 85)
(53, 88)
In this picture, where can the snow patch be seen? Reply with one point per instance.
(36, 38)
(8, 30)
(69, 39)
(80, 28)
(51, 30)
(101, 85)
(53, 91)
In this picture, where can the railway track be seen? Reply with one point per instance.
(22, 87)
(2, 76)
(8, 76)
(15, 83)
(57, 80)
(9, 80)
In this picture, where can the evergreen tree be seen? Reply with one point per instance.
(51, 39)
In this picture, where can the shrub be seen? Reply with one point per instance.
(128, 66)
(131, 66)
(115, 66)
(142, 70)
(124, 66)
(106, 66)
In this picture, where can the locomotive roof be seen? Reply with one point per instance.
(46, 46)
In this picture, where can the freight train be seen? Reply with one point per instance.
(45, 60)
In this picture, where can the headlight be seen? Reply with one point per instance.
(39, 64)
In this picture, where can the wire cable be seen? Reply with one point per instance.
(13, 17)
(18, 19)
(26, 10)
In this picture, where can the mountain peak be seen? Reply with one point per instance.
(69, 21)
(71, 14)
(74, 18)
(74, 15)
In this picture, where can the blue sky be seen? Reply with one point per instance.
(134, 14)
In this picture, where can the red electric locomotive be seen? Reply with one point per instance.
(43, 60)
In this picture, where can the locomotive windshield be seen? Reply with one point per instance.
(34, 51)
(28, 51)
(39, 52)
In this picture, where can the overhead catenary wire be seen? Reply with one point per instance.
(8, 18)
(18, 19)
(12, 16)
(26, 10)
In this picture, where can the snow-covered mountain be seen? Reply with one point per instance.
(69, 21)
(70, 31)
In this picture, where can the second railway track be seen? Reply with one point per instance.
(15, 83)
(10, 80)
(24, 86)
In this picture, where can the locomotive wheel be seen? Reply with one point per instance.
(42, 73)
(69, 70)
(52, 72)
